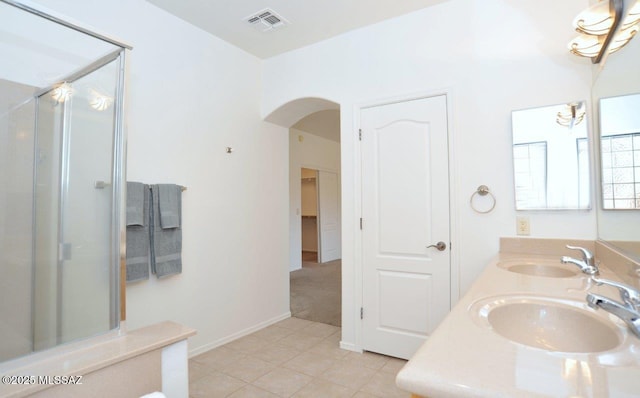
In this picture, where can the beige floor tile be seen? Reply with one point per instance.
(310, 363)
(367, 359)
(214, 385)
(247, 344)
(393, 365)
(276, 353)
(250, 391)
(348, 374)
(335, 337)
(296, 358)
(300, 341)
(219, 358)
(361, 394)
(384, 385)
(272, 333)
(320, 330)
(324, 389)
(330, 349)
(197, 370)
(294, 323)
(249, 369)
(283, 382)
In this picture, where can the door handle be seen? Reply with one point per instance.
(440, 246)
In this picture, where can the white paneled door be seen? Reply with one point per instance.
(329, 218)
(405, 226)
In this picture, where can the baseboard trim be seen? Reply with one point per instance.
(235, 336)
(350, 347)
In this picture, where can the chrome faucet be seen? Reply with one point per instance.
(587, 265)
(629, 295)
(628, 311)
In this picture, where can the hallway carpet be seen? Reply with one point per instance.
(316, 292)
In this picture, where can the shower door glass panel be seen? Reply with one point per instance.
(74, 206)
(16, 193)
(49, 124)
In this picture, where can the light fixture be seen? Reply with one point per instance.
(62, 92)
(571, 114)
(597, 20)
(602, 27)
(99, 101)
(591, 46)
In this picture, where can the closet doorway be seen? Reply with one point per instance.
(309, 215)
(316, 285)
(320, 224)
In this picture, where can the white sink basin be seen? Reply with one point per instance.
(540, 268)
(547, 324)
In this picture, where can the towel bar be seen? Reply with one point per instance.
(102, 185)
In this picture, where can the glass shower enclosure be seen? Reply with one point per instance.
(61, 168)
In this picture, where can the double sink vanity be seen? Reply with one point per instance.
(527, 329)
(539, 321)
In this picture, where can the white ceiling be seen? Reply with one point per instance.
(311, 21)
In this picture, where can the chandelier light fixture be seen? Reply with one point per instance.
(606, 26)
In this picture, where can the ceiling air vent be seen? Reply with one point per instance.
(266, 20)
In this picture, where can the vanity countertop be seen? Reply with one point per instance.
(464, 357)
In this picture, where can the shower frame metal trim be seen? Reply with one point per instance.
(67, 24)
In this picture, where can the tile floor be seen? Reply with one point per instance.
(293, 358)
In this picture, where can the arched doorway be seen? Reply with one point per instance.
(314, 218)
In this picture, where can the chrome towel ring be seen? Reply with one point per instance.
(483, 190)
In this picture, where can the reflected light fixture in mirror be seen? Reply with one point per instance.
(600, 29)
(99, 101)
(62, 93)
(572, 114)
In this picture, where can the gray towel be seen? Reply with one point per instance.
(138, 238)
(166, 244)
(169, 205)
(135, 203)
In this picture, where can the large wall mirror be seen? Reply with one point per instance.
(616, 99)
(61, 177)
(551, 157)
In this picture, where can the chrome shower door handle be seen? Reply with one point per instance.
(440, 246)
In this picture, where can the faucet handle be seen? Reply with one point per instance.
(587, 256)
(629, 294)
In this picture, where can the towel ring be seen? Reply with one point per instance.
(483, 190)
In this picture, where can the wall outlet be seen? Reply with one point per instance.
(522, 226)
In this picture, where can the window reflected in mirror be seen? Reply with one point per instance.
(620, 152)
(551, 157)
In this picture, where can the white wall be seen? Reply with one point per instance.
(189, 96)
(492, 56)
(313, 152)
